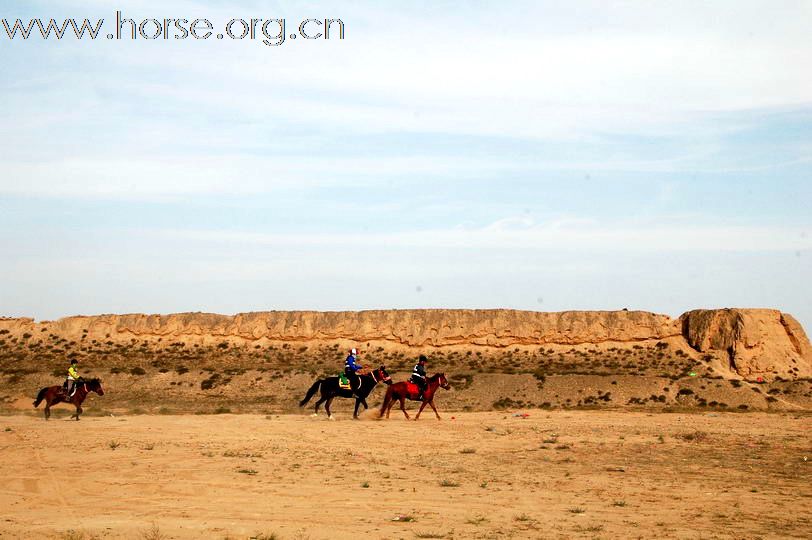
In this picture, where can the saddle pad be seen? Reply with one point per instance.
(413, 389)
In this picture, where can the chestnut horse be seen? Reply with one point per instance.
(55, 394)
(406, 390)
(330, 390)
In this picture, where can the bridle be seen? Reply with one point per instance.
(381, 375)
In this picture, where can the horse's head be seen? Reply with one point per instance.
(95, 385)
(383, 375)
(443, 382)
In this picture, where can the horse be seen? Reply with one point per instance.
(407, 390)
(330, 390)
(55, 394)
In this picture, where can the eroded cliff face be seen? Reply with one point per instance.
(758, 342)
(751, 343)
(411, 328)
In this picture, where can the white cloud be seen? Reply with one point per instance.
(523, 234)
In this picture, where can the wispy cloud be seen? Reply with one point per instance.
(522, 233)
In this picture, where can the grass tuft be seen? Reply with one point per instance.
(153, 533)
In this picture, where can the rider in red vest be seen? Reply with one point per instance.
(419, 374)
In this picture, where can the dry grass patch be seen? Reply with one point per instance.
(695, 436)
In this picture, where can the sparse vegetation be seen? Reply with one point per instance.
(153, 533)
(76, 535)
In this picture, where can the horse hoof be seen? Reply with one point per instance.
(331, 418)
(315, 414)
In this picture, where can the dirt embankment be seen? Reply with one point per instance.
(756, 342)
(732, 359)
(410, 328)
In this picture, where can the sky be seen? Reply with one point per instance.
(529, 155)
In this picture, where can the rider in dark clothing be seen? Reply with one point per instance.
(351, 367)
(419, 374)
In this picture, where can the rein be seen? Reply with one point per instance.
(372, 374)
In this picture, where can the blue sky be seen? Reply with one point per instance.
(549, 156)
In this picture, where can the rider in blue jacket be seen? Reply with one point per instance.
(351, 367)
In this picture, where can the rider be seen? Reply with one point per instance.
(351, 368)
(73, 376)
(419, 374)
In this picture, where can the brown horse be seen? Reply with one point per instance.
(406, 390)
(56, 394)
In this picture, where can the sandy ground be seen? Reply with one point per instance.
(559, 474)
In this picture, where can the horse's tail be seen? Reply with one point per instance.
(386, 399)
(313, 390)
(40, 396)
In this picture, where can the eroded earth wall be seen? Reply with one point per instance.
(751, 343)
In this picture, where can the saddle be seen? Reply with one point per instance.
(76, 385)
(343, 381)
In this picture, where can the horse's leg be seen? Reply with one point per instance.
(364, 403)
(318, 403)
(391, 403)
(78, 412)
(327, 408)
(49, 403)
(422, 406)
(435, 409)
(357, 404)
(403, 406)
(384, 407)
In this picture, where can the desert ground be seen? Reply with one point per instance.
(527, 473)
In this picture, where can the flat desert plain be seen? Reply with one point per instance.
(544, 474)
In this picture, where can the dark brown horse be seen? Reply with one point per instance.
(330, 390)
(406, 390)
(56, 394)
